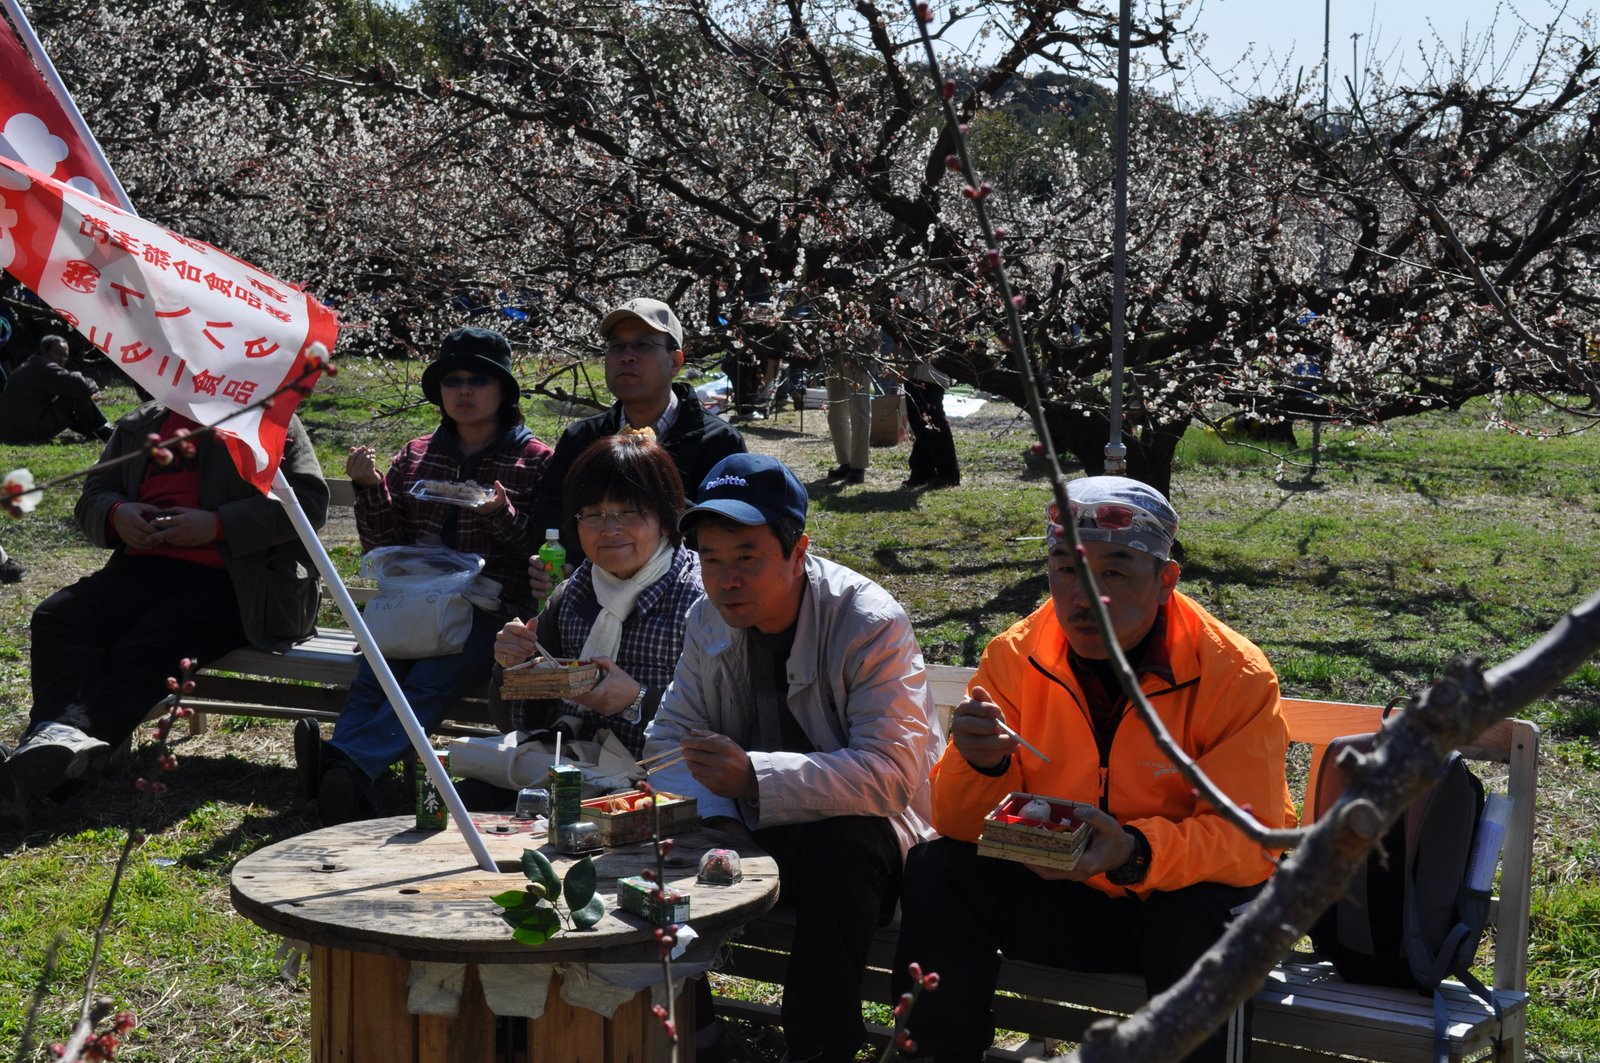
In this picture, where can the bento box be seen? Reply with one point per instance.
(638, 895)
(547, 677)
(625, 818)
(1033, 829)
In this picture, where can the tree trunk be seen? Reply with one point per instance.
(1150, 452)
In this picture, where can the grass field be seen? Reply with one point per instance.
(1407, 547)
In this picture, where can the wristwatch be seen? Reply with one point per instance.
(1133, 871)
(632, 713)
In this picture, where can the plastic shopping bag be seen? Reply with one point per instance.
(424, 603)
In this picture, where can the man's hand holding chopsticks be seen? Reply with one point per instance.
(975, 730)
(719, 764)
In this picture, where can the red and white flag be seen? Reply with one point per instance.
(203, 332)
(35, 129)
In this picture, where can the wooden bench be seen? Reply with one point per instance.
(1305, 1011)
(313, 678)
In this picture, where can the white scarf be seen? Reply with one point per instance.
(616, 598)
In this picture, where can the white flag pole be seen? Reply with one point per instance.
(380, 668)
(58, 87)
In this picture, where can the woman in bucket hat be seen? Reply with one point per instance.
(480, 438)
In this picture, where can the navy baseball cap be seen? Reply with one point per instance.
(750, 489)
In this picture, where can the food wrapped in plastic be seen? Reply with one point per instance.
(719, 867)
(469, 494)
(579, 837)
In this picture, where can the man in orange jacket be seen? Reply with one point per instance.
(1161, 873)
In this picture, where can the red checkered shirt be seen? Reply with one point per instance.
(387, 514)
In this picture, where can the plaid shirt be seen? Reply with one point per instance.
(652, 638)
(387, 514)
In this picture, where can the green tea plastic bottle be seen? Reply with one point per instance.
(552, 553)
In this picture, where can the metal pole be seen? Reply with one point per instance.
(1116, 463)
(1322, 223)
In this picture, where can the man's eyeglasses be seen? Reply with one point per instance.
(633, 346)
(1108, 516)
(622, 518)
(474, 380)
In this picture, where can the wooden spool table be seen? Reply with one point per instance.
(382, 905)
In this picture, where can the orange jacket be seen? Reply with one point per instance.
(1222, 708)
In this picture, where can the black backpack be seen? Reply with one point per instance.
(1411, 921)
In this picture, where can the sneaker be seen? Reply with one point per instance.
(913, 482)
(307, 756)
(838, 473)
(54, 753)
(12, 571)
(856, 476)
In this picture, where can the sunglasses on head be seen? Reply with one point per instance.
(472, 380)
(1107, 516)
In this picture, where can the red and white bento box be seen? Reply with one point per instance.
(625, 818)
(1034, 829)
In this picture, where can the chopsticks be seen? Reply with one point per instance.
(664, 759)
(524, 664)
(1029, 746)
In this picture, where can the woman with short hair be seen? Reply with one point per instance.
(624, 607)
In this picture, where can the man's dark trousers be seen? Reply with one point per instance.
(842, 877)
(960, 911)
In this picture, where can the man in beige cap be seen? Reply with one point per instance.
(643, 352)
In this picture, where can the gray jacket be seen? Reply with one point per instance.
(272, 573)
(857, 689)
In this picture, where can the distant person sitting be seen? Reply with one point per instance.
(643, 352)
(44, 398)
(11, 570)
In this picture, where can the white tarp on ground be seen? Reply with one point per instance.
(715, 393)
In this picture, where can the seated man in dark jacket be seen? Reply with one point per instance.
(643, 351)
(202, 563)
(44, 398)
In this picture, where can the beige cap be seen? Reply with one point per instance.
(652, 312)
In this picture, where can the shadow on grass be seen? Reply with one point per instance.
(268, 794)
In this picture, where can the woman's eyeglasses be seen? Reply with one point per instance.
(475, 380)
(622, 518)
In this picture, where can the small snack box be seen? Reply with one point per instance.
(548, 677)
(1032, 829)
(625, 818)
(638, 895)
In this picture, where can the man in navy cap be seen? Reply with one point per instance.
(1162, 872)
(803, 713)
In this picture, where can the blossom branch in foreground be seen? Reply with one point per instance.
(666, 936)
(85, 1043)
(901, 1042)
(992, 262)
